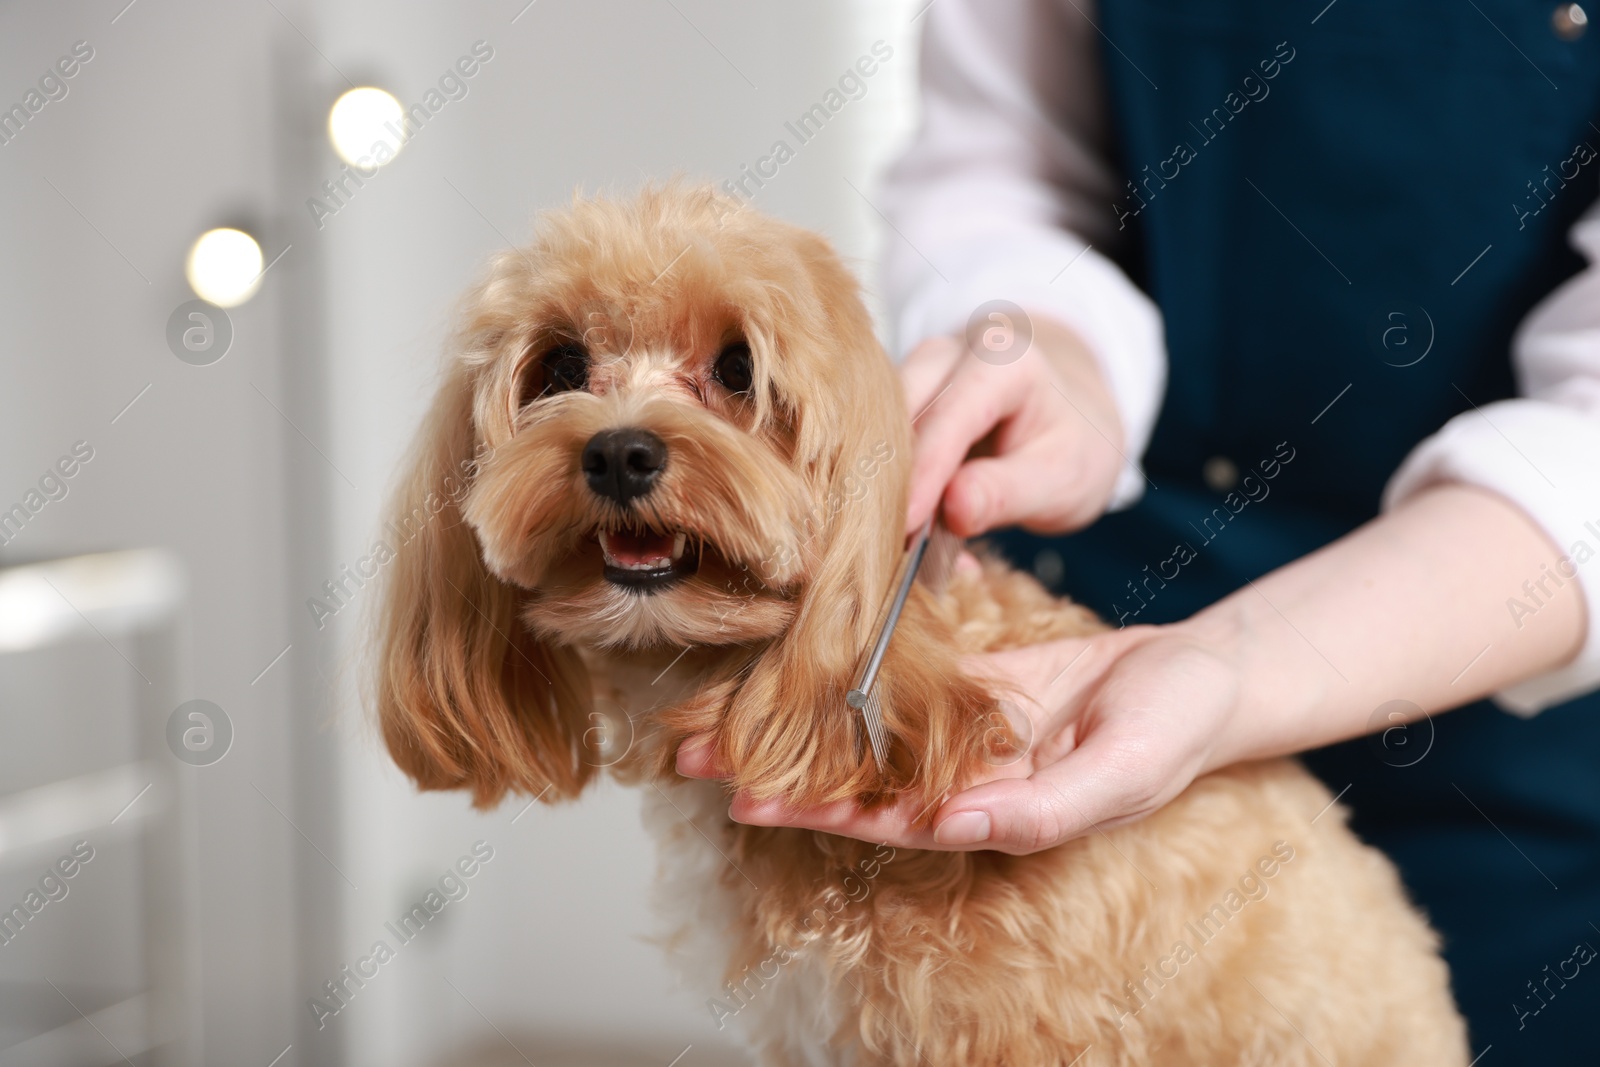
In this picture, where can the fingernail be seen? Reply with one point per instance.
(963, 828)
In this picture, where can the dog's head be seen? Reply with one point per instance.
(667, 423)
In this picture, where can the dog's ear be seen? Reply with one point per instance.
(466, 697)
(788, 730)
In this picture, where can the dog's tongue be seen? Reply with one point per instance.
(635, 549)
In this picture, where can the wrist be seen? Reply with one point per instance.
(1277, 695)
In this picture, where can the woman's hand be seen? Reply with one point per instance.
(1117, 725)
(1035, 442)
(1409, 607)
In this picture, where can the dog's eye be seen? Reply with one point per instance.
(566, 368)
(733, 370)
(560, 370)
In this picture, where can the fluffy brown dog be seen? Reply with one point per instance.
(667, 472)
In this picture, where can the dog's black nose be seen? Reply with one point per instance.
(623, 464)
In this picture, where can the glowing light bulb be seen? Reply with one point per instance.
(360, 121)
(224, 267)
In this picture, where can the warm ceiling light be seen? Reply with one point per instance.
(361, 120)
(225, 267)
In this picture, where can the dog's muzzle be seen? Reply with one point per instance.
(622, 466)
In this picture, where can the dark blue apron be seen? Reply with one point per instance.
(1343, 213)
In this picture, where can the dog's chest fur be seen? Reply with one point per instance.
(705, 901)
(791, 1003)
(981, 959)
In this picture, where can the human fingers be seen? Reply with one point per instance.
(697, 759)
(979, 397)
(1050, 484)
(1137, 725)
(925, 372)
(902, 825)
(905, 824)
(1105, 781)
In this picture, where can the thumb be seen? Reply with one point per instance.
(1067, 799)
(1040, 486)
(1015, 815)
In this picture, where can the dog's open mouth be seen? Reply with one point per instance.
(647, 560)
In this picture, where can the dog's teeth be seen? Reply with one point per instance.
(679, 542)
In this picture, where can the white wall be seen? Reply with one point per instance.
(163, 134)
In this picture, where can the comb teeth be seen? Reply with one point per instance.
(872, 716)
(864, 696)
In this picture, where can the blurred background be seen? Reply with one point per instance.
(201, 840)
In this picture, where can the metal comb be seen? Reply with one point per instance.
(863, 697)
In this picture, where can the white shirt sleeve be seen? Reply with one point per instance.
(1005, 193)
(1541, 451)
